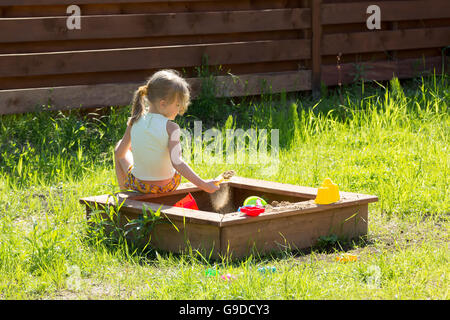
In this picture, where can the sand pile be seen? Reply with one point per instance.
(228, 174)
(280, 205)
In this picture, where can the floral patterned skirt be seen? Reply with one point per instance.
(135, 184)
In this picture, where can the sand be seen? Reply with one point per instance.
(221, 200)
(282, 205)
(228, 174)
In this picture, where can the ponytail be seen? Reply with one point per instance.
(137, 108)
(165, 84)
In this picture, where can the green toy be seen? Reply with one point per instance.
(211, 272)
(253, 201)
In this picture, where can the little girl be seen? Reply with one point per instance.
(148, 157)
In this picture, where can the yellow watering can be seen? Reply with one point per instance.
(327, 193)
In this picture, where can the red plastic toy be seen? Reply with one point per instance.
(252, 210)
(187, 202)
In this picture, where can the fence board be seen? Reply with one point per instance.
(149, 58)
(95, 8)
(359, 42)
(340, 13)
(88, 96)
(97, 44)
(316, 26)
(124, 41)
(154, 25)
(60, 80)
(77, 2)
(381, 70)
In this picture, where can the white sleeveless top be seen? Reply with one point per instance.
(150, 148)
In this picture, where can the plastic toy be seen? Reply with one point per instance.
(228, 277)
(327, 193)
(346, 258)
(225, 176)
(255, 201)
(239, 209)
(187, 202)
(211, 272)
(267, 269)
(219, 182)
(252, 210)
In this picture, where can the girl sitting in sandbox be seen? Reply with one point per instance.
(148, 157)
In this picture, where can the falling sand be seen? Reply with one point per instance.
(221, 199)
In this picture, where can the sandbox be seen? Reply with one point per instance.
(219, 230)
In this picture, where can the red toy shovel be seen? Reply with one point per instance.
(187, 202)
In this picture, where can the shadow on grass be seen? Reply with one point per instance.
(326, 247)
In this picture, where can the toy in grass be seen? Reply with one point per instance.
(346, 258)
(228, 277)
(267, 269)
(211, 272)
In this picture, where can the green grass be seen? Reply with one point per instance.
(389, 141)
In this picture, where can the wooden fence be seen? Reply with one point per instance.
(289, 45)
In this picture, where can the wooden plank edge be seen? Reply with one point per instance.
(383, 70)
(384, 40)
(152, 57)
(182, 188)
(13, 30)
(78, 2)
(309, 207)
(15, 101)
(286, 188)
(342, 13)
(177, 214)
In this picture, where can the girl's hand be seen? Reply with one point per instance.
(210, 186)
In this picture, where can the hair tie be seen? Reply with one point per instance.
(143, 90)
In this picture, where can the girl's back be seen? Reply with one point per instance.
(146, 160)
(149, 146)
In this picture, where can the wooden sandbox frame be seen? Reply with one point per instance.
(235, 234)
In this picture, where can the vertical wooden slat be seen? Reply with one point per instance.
(305, 33)
(393, 26)
(316, 27)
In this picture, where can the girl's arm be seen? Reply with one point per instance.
(124, 145)
(123, 157)
(182, 167)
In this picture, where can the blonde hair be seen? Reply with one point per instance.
(167, 84)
